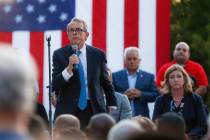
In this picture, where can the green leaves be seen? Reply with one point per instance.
(190, 22)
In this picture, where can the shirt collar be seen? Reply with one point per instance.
(133, 73)
(83, 50)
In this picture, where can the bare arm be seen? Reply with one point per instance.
(201, 90)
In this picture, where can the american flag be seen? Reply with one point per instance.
(113, 25)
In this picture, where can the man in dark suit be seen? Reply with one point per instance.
(80, 90)
(137, 84)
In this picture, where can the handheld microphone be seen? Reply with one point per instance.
(75, 49)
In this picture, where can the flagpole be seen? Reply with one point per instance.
(48, 39)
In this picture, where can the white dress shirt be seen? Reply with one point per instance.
(83, 60)
(132, 83)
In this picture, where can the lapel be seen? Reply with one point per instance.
(166, 103)
(89, 58)
(139, 80)
(68, 52)
(125, 79)
(187, 105)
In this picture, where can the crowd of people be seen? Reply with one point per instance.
(92, 103)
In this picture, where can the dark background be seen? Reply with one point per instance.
(190, 22)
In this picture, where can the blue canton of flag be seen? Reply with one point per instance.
(36, 15)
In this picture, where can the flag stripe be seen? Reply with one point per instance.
(64, 38)
(147, 24)
(6, 37)
(131, 29)
(99, 24)
(162, 33)
(115, 34)
(37, 51)
(84, 11)
(20, 40)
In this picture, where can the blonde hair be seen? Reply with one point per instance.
(187, 81)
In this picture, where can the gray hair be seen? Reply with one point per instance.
(75, 19)
(131, 49)
(17, 75)
(124, 130)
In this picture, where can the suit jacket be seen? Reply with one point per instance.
(144, 82)
(68, 92)
(10, 135)
(193, 112)
(40, 111)
(123, 110)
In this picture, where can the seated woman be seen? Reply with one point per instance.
(178, 97)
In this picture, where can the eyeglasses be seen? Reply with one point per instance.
(77, 30)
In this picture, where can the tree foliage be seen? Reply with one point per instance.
(190, 22)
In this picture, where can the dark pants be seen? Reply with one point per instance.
(84, 115)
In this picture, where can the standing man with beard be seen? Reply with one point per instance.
(181, 56)
(80, 90)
